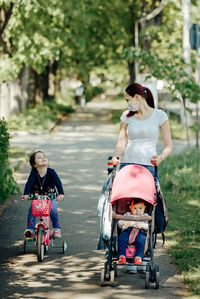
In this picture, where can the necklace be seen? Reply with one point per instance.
(41, 183)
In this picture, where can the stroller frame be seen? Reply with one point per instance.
(149, 268)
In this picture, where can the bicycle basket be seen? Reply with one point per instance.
(40, 207)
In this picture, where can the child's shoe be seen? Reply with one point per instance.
(57, 233)
(122, 260)
(29, 233)
(138, 260)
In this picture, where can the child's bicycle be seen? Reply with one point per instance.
(41, 207)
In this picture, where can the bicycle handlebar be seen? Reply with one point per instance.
(32, 197)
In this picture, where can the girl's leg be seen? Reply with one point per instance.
(140, 244)
(54, 214)
(123, 241)
(31, 220)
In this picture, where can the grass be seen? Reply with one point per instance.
(180, 184)
(41, 117)
(16, 153)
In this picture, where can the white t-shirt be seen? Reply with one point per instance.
(142, 137)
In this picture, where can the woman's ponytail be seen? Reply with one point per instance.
(149, 97)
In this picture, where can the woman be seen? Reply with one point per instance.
(140, 126)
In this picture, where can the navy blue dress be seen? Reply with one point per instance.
(51, 185)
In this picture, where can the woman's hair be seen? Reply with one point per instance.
(136, 88)
(32, 158)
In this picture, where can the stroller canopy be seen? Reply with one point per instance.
(134, 181)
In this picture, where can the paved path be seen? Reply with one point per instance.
(78, 150)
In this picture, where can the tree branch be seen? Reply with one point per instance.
(155, 12)
(6, 15)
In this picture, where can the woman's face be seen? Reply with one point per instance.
(132, 102)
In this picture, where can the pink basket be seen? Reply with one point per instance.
(41, 207)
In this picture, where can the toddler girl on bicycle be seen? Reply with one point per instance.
(43, 181)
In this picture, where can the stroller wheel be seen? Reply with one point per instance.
(157, 276)
(112, 278)
(147, 276)
(103, 277)
(115, 268)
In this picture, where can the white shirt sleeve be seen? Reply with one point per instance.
(162, 116)
(124, 118)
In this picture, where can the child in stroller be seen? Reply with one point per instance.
(130, 183)
(133, 232)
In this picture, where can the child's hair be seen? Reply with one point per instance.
(136, 201)
(32, 158)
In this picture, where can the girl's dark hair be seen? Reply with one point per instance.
(32, 158)
(136, 88)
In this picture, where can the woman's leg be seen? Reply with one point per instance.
(54, 214)
(140, 244)
(123, 241)
(31, 220)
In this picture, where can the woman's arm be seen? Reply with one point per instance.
(166, 134)
(121, 143)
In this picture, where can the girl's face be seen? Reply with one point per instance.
(41, 160)
(138, 209)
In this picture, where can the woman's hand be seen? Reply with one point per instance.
(26, 197)
(156, 160)
(115, 161)
(60, 197)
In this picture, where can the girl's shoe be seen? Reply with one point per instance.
(122, 260)
(138, 260)
(29, 233)
(57, 233)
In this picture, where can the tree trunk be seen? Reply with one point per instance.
(24, 77)
(46, 83)
(39, 86)
(32, 89)
(52, 78)
(15, 97)
(131, 68)
(4, 100)
(131, 65)
(5, 14)
(186, 8)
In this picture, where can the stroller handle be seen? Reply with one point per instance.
(156, 171)
(115, 166)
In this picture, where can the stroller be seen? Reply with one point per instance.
(132, 181)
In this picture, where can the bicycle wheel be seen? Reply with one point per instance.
(24, 246)
(40, 244)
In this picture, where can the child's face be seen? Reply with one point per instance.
(138, 209)
(41, 160)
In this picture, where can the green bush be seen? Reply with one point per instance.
(92, 91)
(7, 183)
(41, 117)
